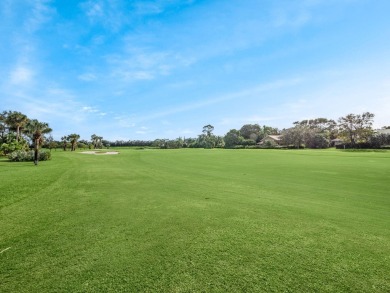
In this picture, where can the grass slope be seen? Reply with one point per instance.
(197, 221)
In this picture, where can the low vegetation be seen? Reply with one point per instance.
(28, 156)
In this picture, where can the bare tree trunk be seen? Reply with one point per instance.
(36, 148)
(17, 133)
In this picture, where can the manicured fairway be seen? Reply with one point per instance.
(195, 220)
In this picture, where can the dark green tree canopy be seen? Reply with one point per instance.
(250, 131)
(233, 138)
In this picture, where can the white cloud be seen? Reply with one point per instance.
(21, 75)
(89, 109)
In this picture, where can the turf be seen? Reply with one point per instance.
(195, 220)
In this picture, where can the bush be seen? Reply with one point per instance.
(295, 147)
(360, 145)
(13, 145)
(253, 147)
(28, 156)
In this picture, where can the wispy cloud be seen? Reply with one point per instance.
(148, 7)
(89, 109)
(87, 77)
(41, 13)
(21, 75)
(140, 65)
(253, 91)
(125, 121)
(143, 130)
(108, 14)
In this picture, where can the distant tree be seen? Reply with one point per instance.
(207, 139)
(379, 140)
(3, 127)
(81, 145)
(219, 142)
(105, 143)
(250, 131)
(315, 140)
(324, 126)
(37, 130)
(294, 136)
(356, 128)
(304, 134)
(208, 129)
(232, 138)
(269, 130)
(247, 142)
(64, 141)
(386, 127)
(100, 142)
(53, 145)
(96, 141)
(50, 143)
(72, 138)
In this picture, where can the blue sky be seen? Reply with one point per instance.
(126, 69)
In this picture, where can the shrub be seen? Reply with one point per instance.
(13, 145)
(27, 156)
(295, 147)
(360, 145)
(253, 147)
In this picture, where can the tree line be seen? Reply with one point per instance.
(350, 131)
(20, 133)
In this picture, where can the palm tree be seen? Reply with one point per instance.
(2, 125)
(17, 121)
(64, 140)
(100, 141)
(94, 139)
(73, 140)
(37, 130)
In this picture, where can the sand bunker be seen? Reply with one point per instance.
(99, 153)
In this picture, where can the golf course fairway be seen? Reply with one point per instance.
(197, 220)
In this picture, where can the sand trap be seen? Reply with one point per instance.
(99, 153)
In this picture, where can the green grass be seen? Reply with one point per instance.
(195, 220)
